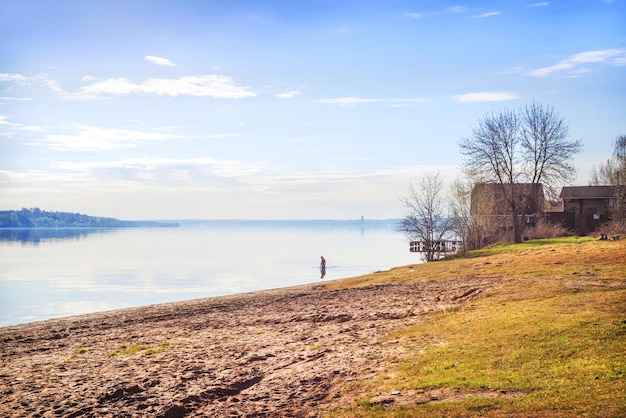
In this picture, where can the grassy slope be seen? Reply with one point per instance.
(553, 332)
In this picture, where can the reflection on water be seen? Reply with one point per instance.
(34, 236)
(52, 273)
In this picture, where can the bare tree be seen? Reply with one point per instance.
(546, 149)
(528, 146)
(493, 155)
(613, 173)
(462, 223)
(604, 174)
(428, 219)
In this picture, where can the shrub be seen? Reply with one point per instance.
(546, 229)
(614, 227)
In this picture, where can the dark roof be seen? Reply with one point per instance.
(588, 192)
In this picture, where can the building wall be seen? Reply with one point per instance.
(587, 206)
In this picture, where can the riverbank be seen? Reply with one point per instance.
(276, 353)
(304, 350)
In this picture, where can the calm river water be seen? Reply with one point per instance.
(54, 273)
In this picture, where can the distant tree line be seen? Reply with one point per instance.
(37, 218)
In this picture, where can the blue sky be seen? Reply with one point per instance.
(283, 109)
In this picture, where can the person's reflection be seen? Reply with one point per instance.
(323, 267)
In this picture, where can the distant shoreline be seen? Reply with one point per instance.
(36, 218)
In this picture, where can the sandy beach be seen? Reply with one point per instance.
(277, 353)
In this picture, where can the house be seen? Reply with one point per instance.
(591, 205)
(491, 208)
(492, 199)
(588, 200)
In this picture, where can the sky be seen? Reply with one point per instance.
(278, 109)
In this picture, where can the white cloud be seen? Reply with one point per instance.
(489, 14)
(91, 138)
(4, 120)
(415, 15)
(486, 96)
(17, 78)
(620, 61)
(54, 86)
(209, 85)
(615, 56)
(288, 95)
(17, 99)
(540, 4)
(164, 62)
(216, 86)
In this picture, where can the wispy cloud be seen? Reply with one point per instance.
(456, 9)
(92, 138)
(452, 9)
(17, 78)
(350, 101)
(539, 4)
(572, 63)
(288, 95)
(16, 99)
(347, 101)
(216, 86)
(13, 127)
(173, 170)
(486, 96)
(164, 62)
(209, 85)
(489, 14)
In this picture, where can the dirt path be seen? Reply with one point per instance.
(270, 353)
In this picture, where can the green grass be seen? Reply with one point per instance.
(553, 333)
(507, 247)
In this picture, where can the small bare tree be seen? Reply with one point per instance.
(462, 223)
(428, 218)
(613, 173)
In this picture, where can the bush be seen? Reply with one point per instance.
(614, 227)
(546, 229)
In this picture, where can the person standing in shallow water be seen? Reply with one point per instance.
(323, 266)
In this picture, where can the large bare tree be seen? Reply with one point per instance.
(510, 148)
(546, 149)
(428, 219)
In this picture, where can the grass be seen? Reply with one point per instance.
(132, 349)
(78, 353)
(553, 332)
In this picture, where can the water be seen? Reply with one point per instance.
(53, 273)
